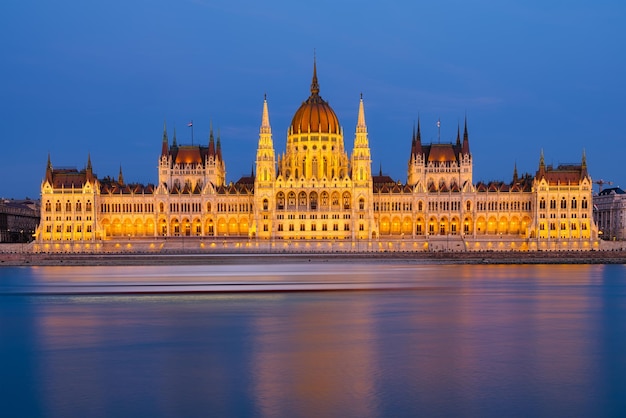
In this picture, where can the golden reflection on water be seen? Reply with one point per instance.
(463, 334)
(311, 361)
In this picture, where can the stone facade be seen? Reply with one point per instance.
(317, 196)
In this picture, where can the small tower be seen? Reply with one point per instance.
(264, 181)
(265, 156)
(416, 160)
(361, 156)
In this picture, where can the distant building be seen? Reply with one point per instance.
(609, 213)
(18, 220)
(315, 194)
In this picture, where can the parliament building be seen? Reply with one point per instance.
(317, 196)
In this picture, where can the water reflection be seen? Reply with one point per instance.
(447, 340)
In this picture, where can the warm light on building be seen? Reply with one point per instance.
(316, 191)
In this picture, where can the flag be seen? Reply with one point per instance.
(438, 123)
(190, 124)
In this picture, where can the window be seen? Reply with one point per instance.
(542, 203)
(574, 206)
(563, 203)
(88, 206)
(468, 206)
(302, 227)
(265, 204)
(68, 206)
(265, 228)
(48, 206)
(57, 206)
(552, 204)
(584, 203)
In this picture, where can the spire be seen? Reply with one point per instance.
(458, 135)
(174, 144)
(360, 122)
(542, 166)
(265, 120)
(418, 139)
(211, 141)
(380, 170)
(583, 165)
(49, 170)
(165, 142)
(120, 177)
(466, 149)
(218, 148)
(89, 169)
(315, 87)
(515, 177)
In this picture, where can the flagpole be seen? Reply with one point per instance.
(439, 131)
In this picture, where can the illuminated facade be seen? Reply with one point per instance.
(315, 196)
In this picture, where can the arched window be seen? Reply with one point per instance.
(542, 203)
(265, 204)
(280, 201)
(563, 203)
(79, 206)
(574, 203)
(346, 201)
(314, 167)
(584, 203)
(48, 206)
(208, 207)
(361, 204)
(162, 207)
(552, 203)
(88, 206)
(68, 206)
(468, 206)
(420, 206)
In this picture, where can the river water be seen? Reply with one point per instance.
(315, 339)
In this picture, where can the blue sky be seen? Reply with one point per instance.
(99, 78)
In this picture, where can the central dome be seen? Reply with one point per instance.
(315, 115)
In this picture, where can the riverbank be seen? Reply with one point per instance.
(121, 259)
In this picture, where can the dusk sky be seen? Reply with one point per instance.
(100, 77)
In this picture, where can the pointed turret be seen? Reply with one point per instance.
(120, 177)
(361, 156)
(583, 165)
(265, 119)
(211, 141)
(218, 148)
(89, 169)
(542, 166)
(515, 177)
(458, 135)
(165, 142)
(418, 139)
(315, 87)
(49, 170)
(360, 122)
(466, 148)
(174, 143)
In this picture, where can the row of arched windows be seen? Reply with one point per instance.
(78, 206)
(563, 203)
